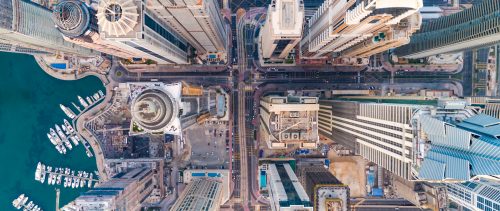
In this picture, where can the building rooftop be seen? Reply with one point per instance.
(286, 185)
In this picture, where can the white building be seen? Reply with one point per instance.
(482, 194)
(198, 21)
(221, 175)
(285, 191)
(125, 191)
(283, 28)
(200, 194)
(350, 29)
(129, 25)
(289, 121)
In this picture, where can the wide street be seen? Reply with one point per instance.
(248, 82)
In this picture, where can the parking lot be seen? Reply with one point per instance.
(208, 146)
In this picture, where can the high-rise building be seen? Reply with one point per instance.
(26, 27)
(168, 108)
(285, 191)
(358, 29)
(125, 28)
(78, 23)
(198, 21)
(288, 121)
(383, 204)
(443, 140)
(472, 28)
(462, 147)
(325, 190)
(481, 194)
(200, 194)
(283, 28)
(124, 191)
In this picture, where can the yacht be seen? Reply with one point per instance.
(67, 111)
(54, 136)
(69, 127)
(64, 129)
(63, 137)
(100, 93)
(20, 201)
(96, 96)
(89, 100)
(38, 172)
(82, 101)
(42, 177)
(74, 139)
(51, 139)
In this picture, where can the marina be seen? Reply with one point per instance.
(64, 176)
(65, 135)
(20, 203)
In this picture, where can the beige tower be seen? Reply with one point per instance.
(283, 28)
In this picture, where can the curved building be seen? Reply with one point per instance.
(122, 28)
(72, 18)
(154, 109)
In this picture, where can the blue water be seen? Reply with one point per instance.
(29, 106)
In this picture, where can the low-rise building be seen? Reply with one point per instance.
(289, 121)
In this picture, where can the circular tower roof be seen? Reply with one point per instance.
(71, 17)
(117, 17)
(154, 109)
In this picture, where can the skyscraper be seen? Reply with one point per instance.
(124, 191)
(198, 21)
(472, 28)
(167, 108)
(443, 140)
(350, 29)
(283, 28)
(78, 23)
(200, 194)
(134, 27)
(285, 190)
(288, 121)
(325, 190)
(28, 28)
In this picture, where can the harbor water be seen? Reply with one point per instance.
(29, 107)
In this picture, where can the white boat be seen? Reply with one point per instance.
(42, 177)
(69, 127)
(101, 93)
(60, 148)
(54, 136)
(59, 178)
(89, 100)
(29, 206)
(74, 139)
(96, 96)
(64, 129)
(67, 111)
(51, 139)
(19, 202)
(38, 172)
(63, 137)
(82, 101)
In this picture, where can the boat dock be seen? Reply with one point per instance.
(64, 176)
(20, 203)
(96, 98)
